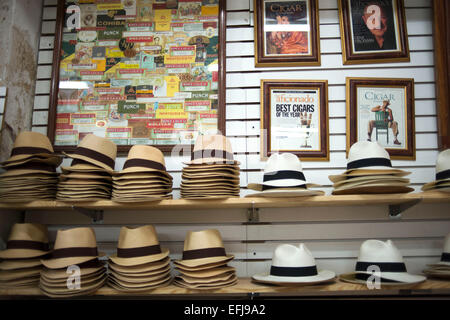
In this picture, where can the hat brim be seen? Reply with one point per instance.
(401, 278)
(90, 160)
(143, 170)
(141, 285)
(434, 184)
(53, 161)
(193, 281)
(24, 157)
(60, 263)
(21, 172)
(20, 274)
(142, 274)
(281, 184)
(141, 279)
(118, 287)
(22, 253)
(207, 286)
(202, 261)
(74, 293)
(147, 267)
(208, 272)
(371, 179)
(374, 189)
(7, 265)
(322, 276)
(202, 268)
(213, 161)
(286, 193)
(127, 262)
(357, 172)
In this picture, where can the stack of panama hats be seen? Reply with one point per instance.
(381, 262)
(442, 182)
(90, 175)
(442, 268)
(73, 269)
(204, 262)
(369, 170)
(212, 171)
(30, 170)
(20, 264)
(139, 264)
(292, 265)
(283, 177)
(144, 177)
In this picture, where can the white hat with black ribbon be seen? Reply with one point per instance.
(442, 181)
(283, 177)
(294, 265)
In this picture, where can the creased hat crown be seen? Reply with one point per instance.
(287, 255)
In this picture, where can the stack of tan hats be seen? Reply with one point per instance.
(204, 262)
(73, 268)
(370, 171)
(441, 269)
(212, 172)
(139, 264)
(442, 181)
(30, 170)
(89, 177)
(144, 177)
(20, 264)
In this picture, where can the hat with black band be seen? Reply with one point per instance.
(26, 240)
(138, 246)
(383, 261)
(442, 178)
(293, 265)
(212, 149)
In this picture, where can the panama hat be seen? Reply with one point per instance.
(283, 176)
(125, 287)
(445, 257)
(368, 158)
(138, 246)
(16, 264)
(144, 159)
(203, 247)
(442, 172)
(70, 293)
(206, 280)
(387, 258)
(212, 149)
(26, 240)
(81, 166)
(208, 272)
(98, 151)
(30, 144)
(295, 265)
(73, 247)
(207, 286)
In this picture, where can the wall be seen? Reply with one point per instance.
(334, 235)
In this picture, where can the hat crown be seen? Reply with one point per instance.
(443, 161)
(366, 150)
(146, 153)
(283, 161)
(28, 232)
(213, 142)
(204, 239)
(447, 244)
(99, 144)
(137, 237)
(32, 139)
(379, 251)
(287, 255)
(75, 238)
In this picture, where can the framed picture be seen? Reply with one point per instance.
(382, 110)
(373, 31)
(286, 33)
(138, 72)
(294, 118)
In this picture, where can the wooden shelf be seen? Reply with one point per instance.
(230, 203)
(247, 288)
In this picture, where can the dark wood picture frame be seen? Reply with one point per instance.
(54, 85)
(350, 57)
(352, 85)
(322, 86)
(286, 60)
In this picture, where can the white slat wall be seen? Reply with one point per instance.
(335, 243)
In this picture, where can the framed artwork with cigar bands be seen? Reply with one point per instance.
(286, 33)
(138, 72)
(294, 118)
(373, 31)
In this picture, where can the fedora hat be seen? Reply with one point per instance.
(207, 286)
(26, 240)
(95, 150)
(295, 265)
(144, 159)
(387, 258)
(368, 158)
(73, 247)
(142, 268)
(442, 172)
(212, 149)
(29, 144)
(203, 247)
(16, 264)
(283, 176)
(445, 257)
(138, 246)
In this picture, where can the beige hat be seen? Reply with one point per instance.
(68, 293)
(97, 151)
(30, 144)
(209, 149)
(379, 188)
(26, 240)
(16, 264)
(213, 272)
(142, 274)
(81, 166)
(72, 247)
(142, 285)
(192, 280)
(202, 268)
(141, 279)
(207, 286)
(142, 268)
(20, 274)
(203, 247)
(138, 246)
(124, 287)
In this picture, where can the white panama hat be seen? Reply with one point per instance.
(294, 265)
(389, 260)
(442, 180)
(445, 257)
(283, 176)
(368, 158)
